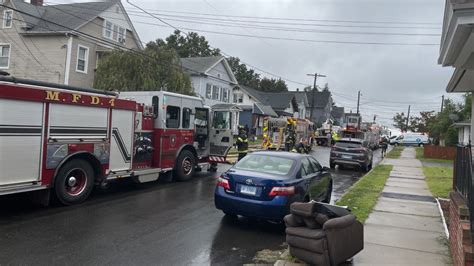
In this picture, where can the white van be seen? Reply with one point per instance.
(411, 140)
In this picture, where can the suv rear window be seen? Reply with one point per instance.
(346, 144)
(266, 164)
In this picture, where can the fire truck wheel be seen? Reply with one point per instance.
(74, 182)
(185, 166)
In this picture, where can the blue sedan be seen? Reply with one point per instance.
(263, 184)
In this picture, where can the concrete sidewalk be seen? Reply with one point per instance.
(405, 227)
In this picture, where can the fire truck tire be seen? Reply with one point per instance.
(185, 166)
(74, 182)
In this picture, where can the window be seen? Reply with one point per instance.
(306, 167)
(121, 35)
(225, 95)
(4, 56)
(221, 120)
(238, 97)
(215, 92)
(266, 164)
(82, 59)
(7, 18)
(316, 166)
(208, 91)
(172, 117)
(108, 29)
(186, 117)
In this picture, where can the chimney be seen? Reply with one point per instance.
(36, 2)
(297, 89)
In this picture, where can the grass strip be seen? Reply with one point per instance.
(421, 156)
(363, 195)
(395, 152)
(439, 179)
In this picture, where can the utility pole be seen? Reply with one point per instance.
(442, 103)
(358, 101)
(408, 118)
(313, 93)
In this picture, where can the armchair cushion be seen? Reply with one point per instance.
(306, 232)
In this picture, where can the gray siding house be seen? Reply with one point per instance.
(322, 101)
(62, 43)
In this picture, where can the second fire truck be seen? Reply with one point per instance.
(63, 140)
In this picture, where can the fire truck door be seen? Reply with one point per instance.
(221, 139)
(123, 125)
(21, 127)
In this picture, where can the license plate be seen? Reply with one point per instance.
(248, 190)
(346, 157)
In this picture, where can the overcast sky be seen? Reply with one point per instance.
(390, 77)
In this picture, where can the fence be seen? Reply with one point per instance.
(462, 182)
(439, 152)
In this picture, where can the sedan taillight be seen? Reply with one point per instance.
(222, 182)
(282, 191)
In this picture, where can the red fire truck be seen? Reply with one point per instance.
(64, 140)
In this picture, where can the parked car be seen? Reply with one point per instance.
(412, 140)
(264, 184)
(354, 152)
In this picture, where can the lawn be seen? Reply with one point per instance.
(420, 156)
(363, 195)
(395, 152)
(439, 179)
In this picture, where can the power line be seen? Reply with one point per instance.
(225, 23)
(301, 19)
(292, 23)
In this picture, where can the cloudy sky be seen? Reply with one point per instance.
(382, 57)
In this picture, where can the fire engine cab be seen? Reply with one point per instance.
(63, 139)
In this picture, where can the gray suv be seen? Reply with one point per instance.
(353, 152)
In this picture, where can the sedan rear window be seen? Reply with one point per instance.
(266, 164)
(346, 144)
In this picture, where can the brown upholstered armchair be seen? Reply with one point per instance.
(320, 236)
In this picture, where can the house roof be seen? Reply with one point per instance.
(301, 97)
(264, 110)
(279, 100)
(70, 16)
(202, 65)
(337, 112)
(257, 95)
(54, 19)
(320, 98)
(465, 123)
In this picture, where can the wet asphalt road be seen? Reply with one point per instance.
(163, 223)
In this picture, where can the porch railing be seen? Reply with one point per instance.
(463, 182)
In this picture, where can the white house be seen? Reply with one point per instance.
(464, 132)
(457, 46)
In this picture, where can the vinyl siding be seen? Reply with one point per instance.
(34, 57)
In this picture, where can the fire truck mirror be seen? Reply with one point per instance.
(155, 103)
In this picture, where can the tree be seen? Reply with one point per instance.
(272, 85)
(153, 69)
(244, 76)
(191, 45)
(399, 121)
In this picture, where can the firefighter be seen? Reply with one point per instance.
(335, 137)
(302, 147)
(290, 135)
(242, 143)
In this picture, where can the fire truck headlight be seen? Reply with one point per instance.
(150, 149)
